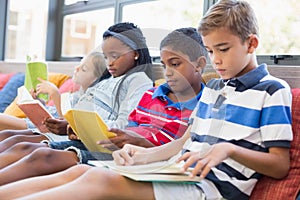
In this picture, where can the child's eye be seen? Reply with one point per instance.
(114, 56)
(83, 68)
(209, 51)
(224, 50)
(175, 64)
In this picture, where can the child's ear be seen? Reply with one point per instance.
(136, 55)
(201, 63)
(253, 43)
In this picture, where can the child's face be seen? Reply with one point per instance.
(119, 57)
(180, 72)
(84, 73)
(229, 56)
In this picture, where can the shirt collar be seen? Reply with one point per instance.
(249, 79)
(162, 91)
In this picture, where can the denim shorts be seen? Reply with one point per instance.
(83, 154)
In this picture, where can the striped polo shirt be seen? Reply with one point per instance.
(159, 119)
(252, 111)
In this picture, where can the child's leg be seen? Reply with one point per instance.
(17, 152)
(11, 122)
(42, 161)
(8, 133)
(11, 141)
(39, 183)
(98, 183)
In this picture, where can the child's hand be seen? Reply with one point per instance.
(130, 155)
(33, 94)
(46, 87)
(57, 126)
(124, 137)
(71, 133)
(204, 162)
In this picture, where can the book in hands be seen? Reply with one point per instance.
(35, 70)
(33, 109)
(163, 171)
(89, 127)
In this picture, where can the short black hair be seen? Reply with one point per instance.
(186, 40)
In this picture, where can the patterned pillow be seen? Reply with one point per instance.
(4, 78)
(287, 188)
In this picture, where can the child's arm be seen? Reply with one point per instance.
(131, 155)
(274, 163)
(46, 87)
(124, 137)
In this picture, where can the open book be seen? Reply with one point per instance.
(33, 109)
(89, 127)
(163, 171)
(33, 71)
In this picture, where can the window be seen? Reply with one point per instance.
(158, 18)
(27, 26)
(82, 32)
(278, 22)
(76, 26)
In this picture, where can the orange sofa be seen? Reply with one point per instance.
(288, 188)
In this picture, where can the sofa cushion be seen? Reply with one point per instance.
(9, 91)
(4, 78)
(268, 188)
(57, 78)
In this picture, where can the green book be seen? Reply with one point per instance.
(33, 71)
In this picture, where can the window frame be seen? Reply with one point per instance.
(58, 10)
(4, 5)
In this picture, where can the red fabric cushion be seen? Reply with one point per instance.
(4, 78)
(287, 188)
(67, 86)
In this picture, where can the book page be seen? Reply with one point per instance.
(23, 95)
(89, 127)
(65, 102)
(163, 171)
(167, 166)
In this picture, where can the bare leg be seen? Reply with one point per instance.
(98, 183)
(11, 122)
(36, 184)
(17, 152)
(9, 142)
(41, 161)
(8, 133)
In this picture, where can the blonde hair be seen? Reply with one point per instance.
(236, 16)
(99, 63)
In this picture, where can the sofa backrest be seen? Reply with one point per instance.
(268, 188)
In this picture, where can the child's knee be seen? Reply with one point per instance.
(23, 147)
(77, 170)
(40, 155)
(6, 134)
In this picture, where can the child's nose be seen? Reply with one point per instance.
(76, 69)
(109, 61)
(169, 71)
(215, 59)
